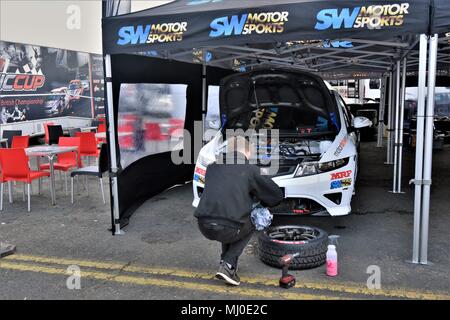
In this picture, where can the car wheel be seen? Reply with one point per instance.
(311, 243)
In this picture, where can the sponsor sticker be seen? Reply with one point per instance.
(339, 184)
(199, 179)
(200, 171)
(152, 33)
(368, 17)
(341, 175)
(249, 23)
(341, 147)
(346, 183)
(265, 116)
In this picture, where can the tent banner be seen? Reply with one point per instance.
(194, 24)
(441, 17)
(39, 82)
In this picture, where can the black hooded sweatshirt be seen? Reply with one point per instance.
(232, 189)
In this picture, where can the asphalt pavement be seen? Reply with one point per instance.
(163, 255)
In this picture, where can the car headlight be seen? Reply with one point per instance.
(311, 168)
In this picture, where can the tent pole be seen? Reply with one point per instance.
(400, 138)
(389, 137)
(396, 128)
(381, 112)
(394, 84)
(112, 145)
(204, 101)
(419, 146)
(428, 145)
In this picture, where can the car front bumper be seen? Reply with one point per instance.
(332, 190)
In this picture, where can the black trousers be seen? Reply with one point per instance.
(234, 237)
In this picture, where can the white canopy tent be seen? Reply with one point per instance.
(387, 53)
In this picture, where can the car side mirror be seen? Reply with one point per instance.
(361, 122)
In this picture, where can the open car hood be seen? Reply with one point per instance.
(276, 99)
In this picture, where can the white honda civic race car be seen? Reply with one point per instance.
(316, 151)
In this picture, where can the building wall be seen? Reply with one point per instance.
(66, 24)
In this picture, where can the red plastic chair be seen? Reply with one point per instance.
(153, 132)
(15, 167)
(66, 161)
(101, 129)
(126, 142)
(2, 180)
(20, 142)
(176, 128)
(88, 144)
(47, 137)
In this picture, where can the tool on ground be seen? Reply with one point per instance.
(287, 280)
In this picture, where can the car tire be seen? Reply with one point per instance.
(312, 251)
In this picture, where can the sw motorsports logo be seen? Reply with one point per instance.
(371, 17)
(152, 33)
(249, 23)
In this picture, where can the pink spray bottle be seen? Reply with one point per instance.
(332, 257)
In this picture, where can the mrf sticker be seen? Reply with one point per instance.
(200, 171)
(341, 175)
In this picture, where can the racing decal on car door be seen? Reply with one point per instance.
(341, 146)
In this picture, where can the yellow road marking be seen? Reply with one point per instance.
(349, 288)
(220, 289)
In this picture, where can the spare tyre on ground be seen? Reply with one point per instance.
(311, 243)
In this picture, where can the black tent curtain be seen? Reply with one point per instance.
(153, 174)
(188, 25)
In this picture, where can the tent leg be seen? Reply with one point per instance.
(390, 106)
(204, 101)
(401, 122)
(112, 147)
(396, 128)
(419, 146)
(381, 113)
(428, 148)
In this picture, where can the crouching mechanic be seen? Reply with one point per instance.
(231, 189)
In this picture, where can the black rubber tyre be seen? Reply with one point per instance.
(312, 250)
